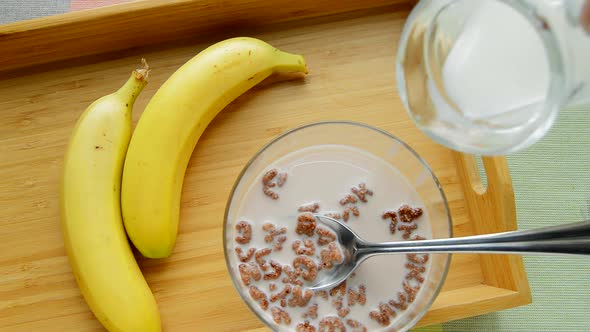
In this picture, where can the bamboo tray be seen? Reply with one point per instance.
(52, 68)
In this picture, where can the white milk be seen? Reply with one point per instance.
(497, 65)
(325, 174)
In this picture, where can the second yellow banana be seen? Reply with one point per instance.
(171, 125)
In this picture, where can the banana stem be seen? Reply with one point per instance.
(138, 80)
(291, 63)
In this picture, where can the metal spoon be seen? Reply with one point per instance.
(567, 239)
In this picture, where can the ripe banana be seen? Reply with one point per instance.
(171, 125)
(95, 240)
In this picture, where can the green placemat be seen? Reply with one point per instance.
(551, 185)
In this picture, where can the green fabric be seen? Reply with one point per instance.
(430, 328)
(552, 186)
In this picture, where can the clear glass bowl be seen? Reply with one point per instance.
(372, 140)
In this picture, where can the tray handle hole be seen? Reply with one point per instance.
(479, 179)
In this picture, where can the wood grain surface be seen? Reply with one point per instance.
(352, 77)
(140, 23)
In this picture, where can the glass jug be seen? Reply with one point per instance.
(489, 76)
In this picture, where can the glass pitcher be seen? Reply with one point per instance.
(489, 76)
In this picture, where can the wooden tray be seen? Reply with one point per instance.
(350, 48)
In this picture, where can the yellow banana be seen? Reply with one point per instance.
(95, 240)
(171, 125)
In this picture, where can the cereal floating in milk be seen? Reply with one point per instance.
(277, 280)
(245, 256)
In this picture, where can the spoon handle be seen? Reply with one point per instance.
(569, 239)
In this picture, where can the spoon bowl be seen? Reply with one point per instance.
(347, 239)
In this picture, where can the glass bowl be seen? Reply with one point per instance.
(369, 139)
